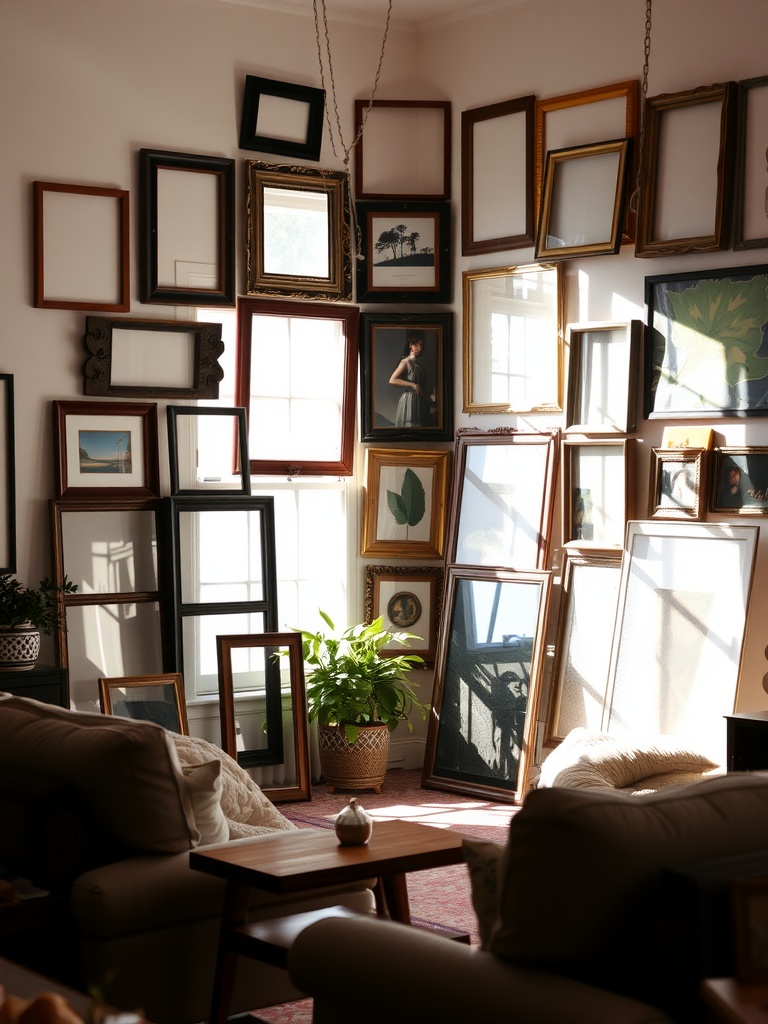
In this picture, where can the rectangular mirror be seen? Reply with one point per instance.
(487, 683)
(513, 339)
(297, 232)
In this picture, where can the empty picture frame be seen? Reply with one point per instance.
(7, 476)
(186, 227)
(513, 339)
(256, 670)
(587, 613)
(403, 150)
(105, 450)
(740, 481)
(297, 232)
(487, 683)
(687, 137)
(409, 599)
(208, 450)
(159, 358)
(497, 177)
(282, 118)
(603, 365)
(159, 699)
(750, 197)
(682, 610)
(749, 901)
(597, 490)
(583, 199)
(82, 247)
(678, 483)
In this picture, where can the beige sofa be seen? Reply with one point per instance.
(102, 810)
(601, 908)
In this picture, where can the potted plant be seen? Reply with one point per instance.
(358, 696)
(25, 612)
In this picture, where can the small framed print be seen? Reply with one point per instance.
(597, 487)
(106, 450)
(405, 503)
(677, 484)
(409, 599)
(406, 372)
(406, 249)
(740, 481)
(282, 118)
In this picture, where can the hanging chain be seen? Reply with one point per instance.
(346, 150)
(647, 51)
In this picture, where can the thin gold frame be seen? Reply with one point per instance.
(379, 459)
(669, 496)
(623, 448)
(172, 679)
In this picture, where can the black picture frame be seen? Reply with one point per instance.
(230, 469)
(255, 90)
(740, 481)
(424, 276)
(7, 476)
(750, 193)
(383, 347)
(223, 291)
(196, 367)
(716, 382)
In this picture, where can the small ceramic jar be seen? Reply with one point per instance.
(353, 825)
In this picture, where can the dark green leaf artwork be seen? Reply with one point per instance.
(409, 505)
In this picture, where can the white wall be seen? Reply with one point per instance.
(86, 83)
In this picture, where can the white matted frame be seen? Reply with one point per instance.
(680, 623)
(409, 598)
(603, 364)
(598, 483)
(750, 200)
(587, 614)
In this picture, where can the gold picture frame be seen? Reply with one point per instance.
(154, 698)
(678, 483)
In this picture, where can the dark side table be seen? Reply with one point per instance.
(747, 741)
(45, 683)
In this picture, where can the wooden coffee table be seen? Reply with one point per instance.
(296, 862)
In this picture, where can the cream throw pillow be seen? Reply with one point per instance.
(204, 788)
(483, 860)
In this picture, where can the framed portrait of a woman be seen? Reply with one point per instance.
(406, 373)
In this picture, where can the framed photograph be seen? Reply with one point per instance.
(597, 489)
(158, 358)
(740, 481)
(7, 476)
(297, 232)
(680, 624)
(186, 229)
(406, 373)
(587, 614)
(282, 118)
(409, 599)
(405, 502)
(579, 118)
(704, 335)
(687, 136)
(82, 247)
(677, 487)
(106, 450)
(158, 699)
(406, 248)
(603, 367)
(503, 498)
(583, 200)
(750, 194)
(405, 150)
(261, 668)
(208, 450)
(497, 177)
(488, 676)
(750, 923)
(513, 339)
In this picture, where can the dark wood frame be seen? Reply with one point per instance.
(740, 241)
(8, 468)
(648, 242)
(146, 416)
(579, 354)
(349, 316)
(255, 87)
(361, 115)
(122, 255)
(470, 246)
(406, 575)
(463, 779)
(172, 679)
(661, 499)
(749, 899)
(440, 213)
(240, 466)
(150, 163)
(99, 343)
(624, 449)
(747, 460)
(372, 367)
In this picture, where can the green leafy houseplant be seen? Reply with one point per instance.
(39, 606)
(350, 685)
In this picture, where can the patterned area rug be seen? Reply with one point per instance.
(441, 896)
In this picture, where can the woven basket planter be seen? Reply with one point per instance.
(358, 765)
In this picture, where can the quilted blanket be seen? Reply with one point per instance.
(247, 810)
